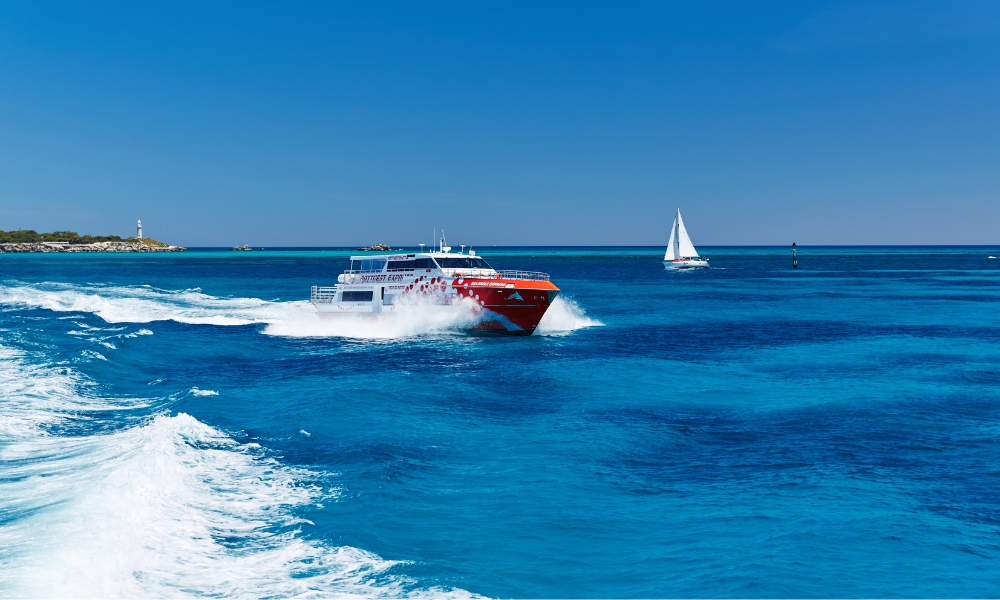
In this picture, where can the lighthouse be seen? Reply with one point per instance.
(138, 228)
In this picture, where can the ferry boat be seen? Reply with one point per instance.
(380, 285)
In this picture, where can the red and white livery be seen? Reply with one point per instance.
(383, 284)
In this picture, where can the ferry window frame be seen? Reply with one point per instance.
(471, 262)
(400, 265)
(357, 296)
(370, 265)
(411, 264)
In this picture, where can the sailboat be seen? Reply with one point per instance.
(680, 251)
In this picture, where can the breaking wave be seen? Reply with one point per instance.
(144, 304)
(564, 316)
(160, 506)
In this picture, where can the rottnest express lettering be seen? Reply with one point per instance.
(380, 278)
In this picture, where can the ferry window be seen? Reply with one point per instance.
(372, 264)
(401, 265)
(357, 296)
(409, 265)
(465, 262)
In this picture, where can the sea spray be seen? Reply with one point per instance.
(145, 304)
(38, 399)
(412, 317)
(564, 316)
(159, 506)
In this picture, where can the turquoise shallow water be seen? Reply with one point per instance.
(184, 425)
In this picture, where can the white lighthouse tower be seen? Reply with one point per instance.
(139, 230)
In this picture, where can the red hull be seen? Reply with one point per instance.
(512, 305)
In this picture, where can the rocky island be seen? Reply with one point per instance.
(28, 240)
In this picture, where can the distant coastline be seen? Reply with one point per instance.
(130, 245)
(28, 240)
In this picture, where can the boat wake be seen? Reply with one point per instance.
(154, 505)
(145, 304)
(565, 316)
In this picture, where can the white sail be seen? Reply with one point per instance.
(672, 244)
(685, 249)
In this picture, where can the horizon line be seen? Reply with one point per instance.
(354, 248)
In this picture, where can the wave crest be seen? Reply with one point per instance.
(565, 316)
(168, 506)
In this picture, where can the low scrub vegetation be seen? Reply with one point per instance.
(30, 236)
(147, 241)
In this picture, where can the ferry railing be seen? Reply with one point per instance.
(322, 295)
(521, 275)
(530, 275)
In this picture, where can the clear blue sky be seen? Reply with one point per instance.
(295, 123)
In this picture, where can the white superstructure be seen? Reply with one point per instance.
(373, 284)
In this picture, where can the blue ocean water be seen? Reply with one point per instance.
(184, 425)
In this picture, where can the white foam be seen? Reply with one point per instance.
(198, 392)
(564, 316)
(37, 396)
(170, 508)
(411, 318)
(144, 304)
(167, 507)
(93, 354)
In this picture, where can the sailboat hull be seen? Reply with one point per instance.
(686, 263)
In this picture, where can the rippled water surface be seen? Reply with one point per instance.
(183, 424)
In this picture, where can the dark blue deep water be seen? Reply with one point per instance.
(175, 425)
